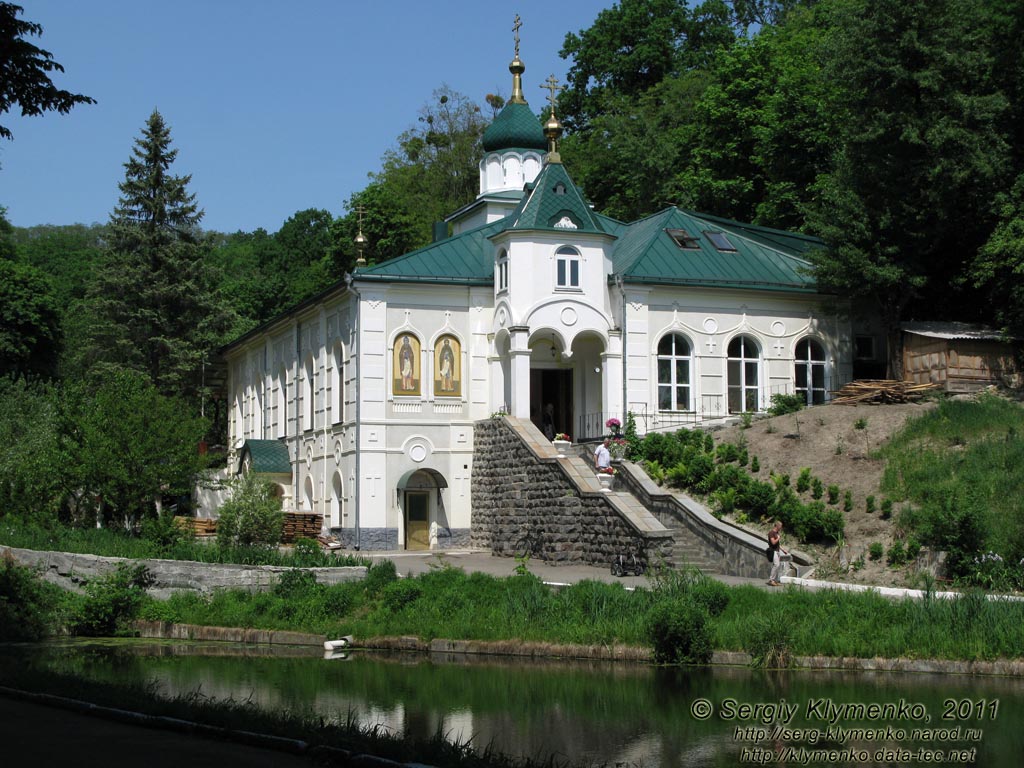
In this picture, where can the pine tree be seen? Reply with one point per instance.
(152, 306)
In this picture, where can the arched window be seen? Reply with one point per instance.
(809, 370)
(743, 369)
(336, 502)
(308, 500)
(502, 270)
(674, 373)
(257, 406)
(567, 267)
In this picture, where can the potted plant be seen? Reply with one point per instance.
(617, 448)
(614, 426)
(562, 443)
(605, 477)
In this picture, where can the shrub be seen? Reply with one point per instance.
(757, 497)
(655, 471)
(727, 452)
(165, 532)
(679, 633)
(875, 550)
(307, 553)
(26, 603)
(111, 601)
(295, 584)
(896, 555)
(886, 509)
(252, 517)
(725, 501)
(755, 465)
(913, 549)
(860, 423)
(869, 505)
(782, 404)
(833, 525)
(743, 458)
(769, 640)
(745, 419)
(803, 480)
(379, 575)
(848, 501)
(833, 494)
(817, 488)
(400, 593)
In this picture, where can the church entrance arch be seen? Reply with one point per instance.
(419, 494)
(551, 386)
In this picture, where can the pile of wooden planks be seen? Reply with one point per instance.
(201, 526)
(876, 391)
(301, 525)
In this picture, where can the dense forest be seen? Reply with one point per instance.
(891, 129)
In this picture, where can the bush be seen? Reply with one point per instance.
(295, 584)
(875, 550)
(755, 465)
(869, 505)
(803, 480)
(848, 501)
(769, 640)
(26, 603)
(165, 533)
(782, 404)
(817, 488)
(252, 517)
(399, 593)
(757, 497)
(896, 555)
(833, 494)
(379, 575)
(111, 601)
(679, 633)
(727, 452)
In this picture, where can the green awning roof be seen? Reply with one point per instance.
(266, 457)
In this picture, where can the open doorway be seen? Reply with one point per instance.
(551, 386)
(417, 520)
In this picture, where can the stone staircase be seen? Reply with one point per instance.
(686, 552)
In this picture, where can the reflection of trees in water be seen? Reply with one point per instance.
(601, 711)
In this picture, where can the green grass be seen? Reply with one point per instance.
(963, 457)
(451, 604)
(113, 543)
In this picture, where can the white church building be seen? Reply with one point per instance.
(361, 403)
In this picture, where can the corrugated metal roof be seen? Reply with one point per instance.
(954, 330)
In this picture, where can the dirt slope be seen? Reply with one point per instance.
(826, 438)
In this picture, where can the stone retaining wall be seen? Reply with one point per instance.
(521, 488)
(70, 571)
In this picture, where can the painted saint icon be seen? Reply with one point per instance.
(407, 366)
(447, 374)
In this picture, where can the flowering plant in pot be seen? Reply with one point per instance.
(614, 425)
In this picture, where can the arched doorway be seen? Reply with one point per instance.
(419, 492)
(551, 385)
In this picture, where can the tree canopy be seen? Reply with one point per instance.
(25, 71)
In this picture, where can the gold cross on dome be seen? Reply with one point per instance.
(553, 87)
(515, 29)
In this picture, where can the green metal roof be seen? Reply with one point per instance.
(464, 259)
(515, 127)
(268, 457)
(763, 258)
(551, 199)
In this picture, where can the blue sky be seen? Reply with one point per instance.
(273, 107)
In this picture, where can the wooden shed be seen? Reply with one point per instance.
(958, 356)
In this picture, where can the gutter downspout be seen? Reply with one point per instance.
(622, 289)
(298, 412)
(359, 404)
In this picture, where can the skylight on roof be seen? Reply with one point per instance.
(684, 239)
(719, 240)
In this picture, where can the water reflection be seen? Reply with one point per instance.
(600, 712)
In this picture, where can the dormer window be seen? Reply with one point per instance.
(684, 239)
(559, 188)
(719, 240)
(567, 266)
(502, 270)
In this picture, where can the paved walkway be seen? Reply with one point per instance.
(475, 560)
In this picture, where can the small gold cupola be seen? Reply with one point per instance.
(553, 126)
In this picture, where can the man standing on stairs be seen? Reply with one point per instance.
(602, 456)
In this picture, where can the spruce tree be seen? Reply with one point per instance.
(152, 305)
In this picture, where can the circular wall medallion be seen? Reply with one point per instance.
(569, 316)
(778, 327)
(337, 451)
(502, 317)
(710, 324)
(418, 452)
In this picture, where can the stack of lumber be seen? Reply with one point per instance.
(200, 526)
(301, 525)
(881, 391)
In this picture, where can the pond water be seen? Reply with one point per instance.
(603, 713)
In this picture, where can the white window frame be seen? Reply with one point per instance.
(673, 384)
(568, 264)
